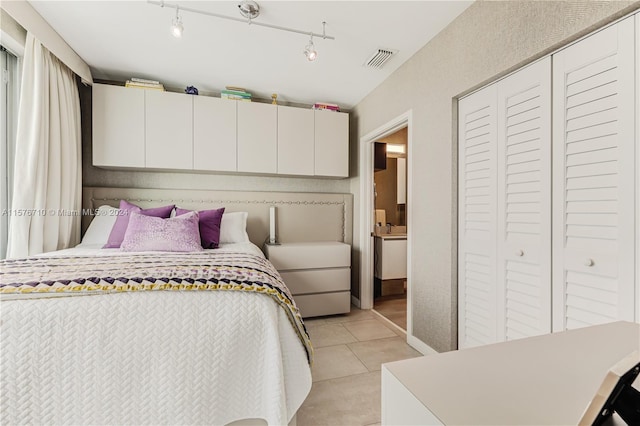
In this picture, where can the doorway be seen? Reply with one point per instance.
(401, 124)
(390, 227)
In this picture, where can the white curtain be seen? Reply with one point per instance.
(47, 175)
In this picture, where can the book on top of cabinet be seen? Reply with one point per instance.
(326, 106)
(141, 83)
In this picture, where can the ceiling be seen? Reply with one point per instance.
(123, 39)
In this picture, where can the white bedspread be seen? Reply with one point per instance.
(150, 358)
(96, 249)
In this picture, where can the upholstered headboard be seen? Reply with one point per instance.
(300, 216)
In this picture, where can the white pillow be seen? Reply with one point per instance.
(101, 225)
(233, 228)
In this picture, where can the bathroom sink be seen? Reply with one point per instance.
(396, 236)
(398, 230)
(391, 231)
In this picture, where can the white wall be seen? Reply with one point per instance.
(27, 17)
(488, 40)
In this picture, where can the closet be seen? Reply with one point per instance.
(547, 187)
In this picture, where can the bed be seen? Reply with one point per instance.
(95, 336)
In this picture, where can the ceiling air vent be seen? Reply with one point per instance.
(379, 58)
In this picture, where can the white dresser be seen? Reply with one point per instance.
(539, 380)
(317, 273)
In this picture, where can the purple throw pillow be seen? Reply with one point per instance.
(120, 227)
(209, 226)
(148, 233)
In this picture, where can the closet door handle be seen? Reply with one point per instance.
(519, 252)
(589, 262)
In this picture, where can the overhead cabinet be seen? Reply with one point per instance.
(401, 183)
(519, 275)
(148, 129)
(257, 137)
(295, 141)
(331, 143)
(214, 134)
(169, 131)
(118, 126)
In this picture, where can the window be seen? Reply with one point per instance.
(8, 119)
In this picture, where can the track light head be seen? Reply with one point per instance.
(249, 9)
(310, 51)
(176, 25)
(177, 28)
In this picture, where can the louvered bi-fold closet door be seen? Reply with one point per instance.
(593, 179)
(524, 203)
(477, 219)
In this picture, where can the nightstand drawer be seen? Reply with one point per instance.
(309, 255)
(317, 280)
(314, 305)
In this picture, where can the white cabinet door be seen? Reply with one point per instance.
(214, 134)
(295, 141)
(401, 185)
(393, 259)
(477, 218)
(331, 143)
(524, 202)
(118, 126)
(593, 179)
(257, 137)
(169, 130)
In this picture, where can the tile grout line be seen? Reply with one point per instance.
(359, 359)
(357, 340)
(351, 334)
(378, 338)
(348, 375)
(338, 344)
(395, 336)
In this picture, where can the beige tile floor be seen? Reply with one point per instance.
(349, 350)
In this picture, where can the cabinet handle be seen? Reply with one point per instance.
(519, 252)
(589, 262)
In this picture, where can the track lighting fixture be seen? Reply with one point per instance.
(249, 10)
(176, 26)
(310, 51)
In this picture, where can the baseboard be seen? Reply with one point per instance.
(420, 346)
(412, 341)
(355, 302)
